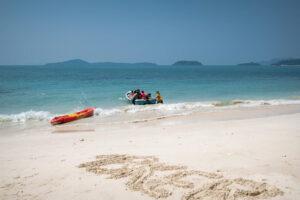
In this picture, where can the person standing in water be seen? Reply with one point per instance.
(136, 95)
(159, 98)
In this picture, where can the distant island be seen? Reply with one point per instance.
(74, 62)
(288, 62)
(187, 63)
(82, 63)
(282, 62)
(79, 62)
(249, 64)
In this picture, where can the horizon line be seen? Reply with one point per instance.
(140, 62)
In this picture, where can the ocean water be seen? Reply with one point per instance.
(40, 92)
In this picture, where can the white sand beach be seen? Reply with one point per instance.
(233, 153)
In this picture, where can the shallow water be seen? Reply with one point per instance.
(40, 92)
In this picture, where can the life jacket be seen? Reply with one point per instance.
(143, 95)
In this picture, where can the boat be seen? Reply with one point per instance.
(88, 112)
(129, 97)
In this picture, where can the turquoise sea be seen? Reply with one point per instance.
(38, 92)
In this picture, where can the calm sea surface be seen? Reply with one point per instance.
(65, 89)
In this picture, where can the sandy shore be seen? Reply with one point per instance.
(235, 153)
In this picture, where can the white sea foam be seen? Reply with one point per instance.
(26, 116)
(164, 109)
(191, 106)
(106, 112)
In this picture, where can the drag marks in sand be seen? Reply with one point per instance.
(160, 180)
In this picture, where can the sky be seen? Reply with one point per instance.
(210, 31)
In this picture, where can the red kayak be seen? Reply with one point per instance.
(88, 112)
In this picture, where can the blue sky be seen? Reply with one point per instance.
(212, 31)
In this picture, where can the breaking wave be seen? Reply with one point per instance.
(26, 116)
(192, 106)
(164, 109)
